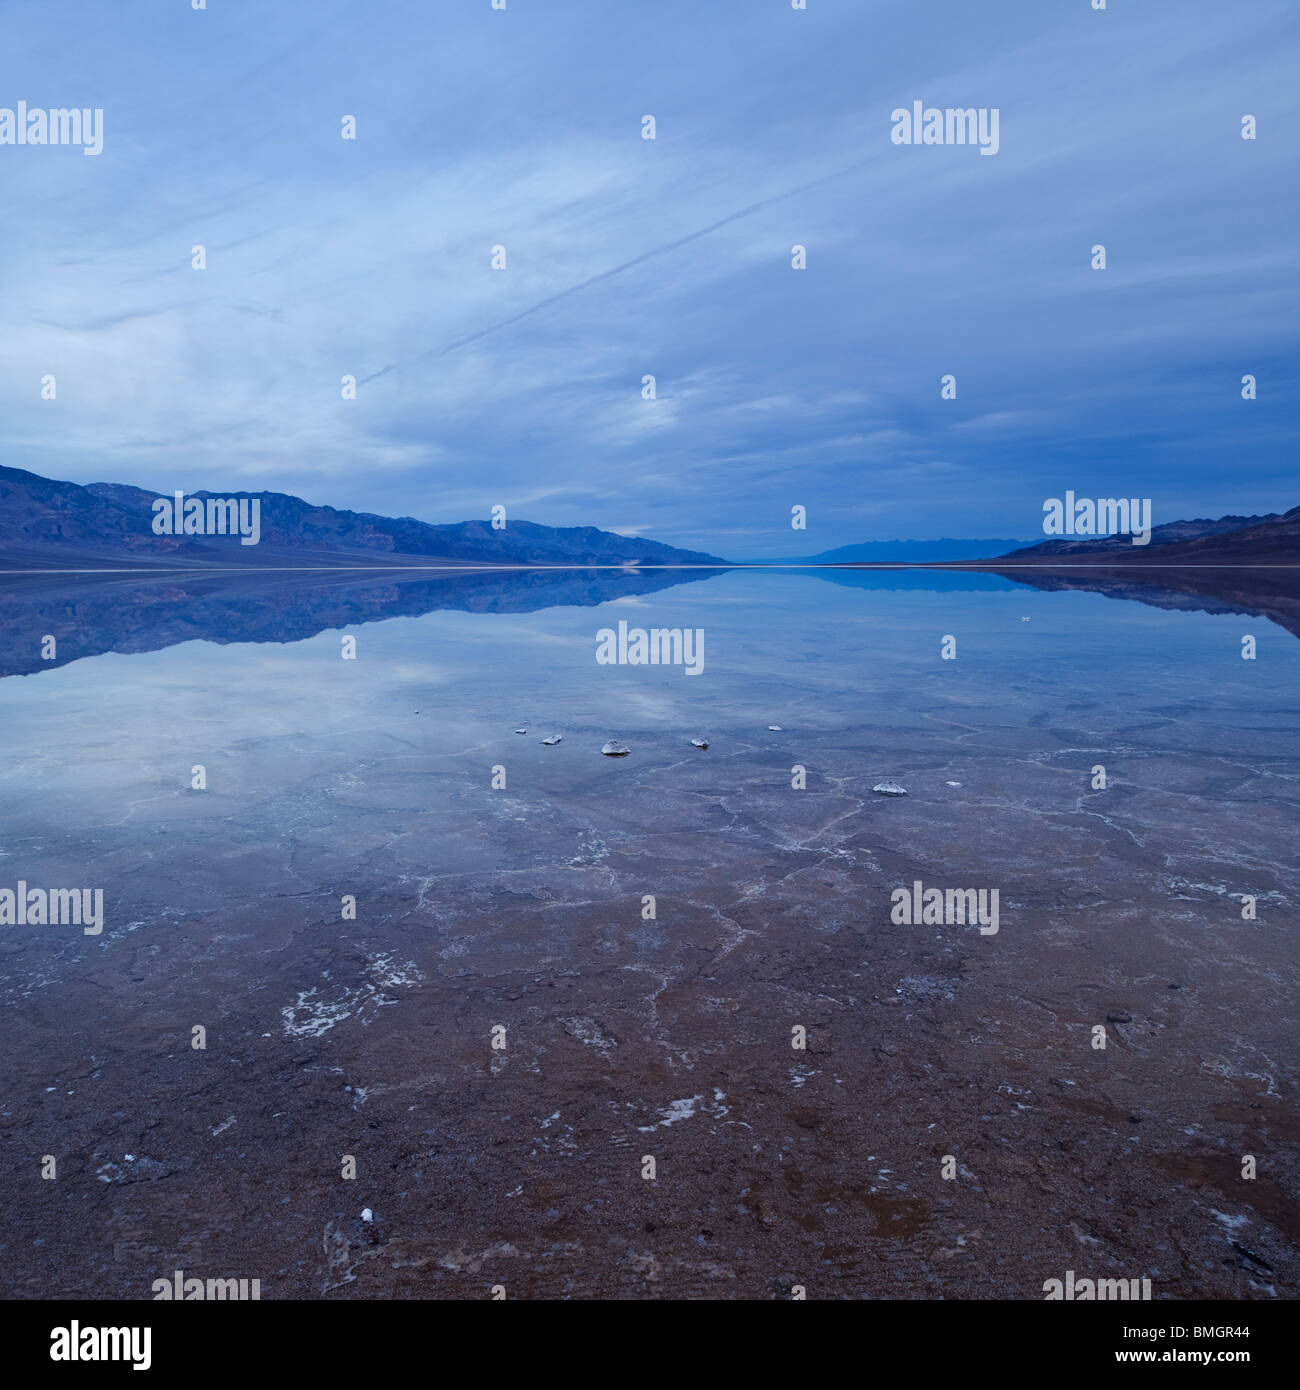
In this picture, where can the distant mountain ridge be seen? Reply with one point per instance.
(1273, 538)
(908, 552)
(1170, 533)
(47, 523)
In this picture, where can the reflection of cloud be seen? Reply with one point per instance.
(647, 705)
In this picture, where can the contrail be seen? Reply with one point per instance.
(628, 265)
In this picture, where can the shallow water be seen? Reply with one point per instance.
(627, 1036)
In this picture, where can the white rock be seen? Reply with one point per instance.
(889, 789)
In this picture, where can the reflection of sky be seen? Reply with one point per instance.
(111, 739)
(776, 387)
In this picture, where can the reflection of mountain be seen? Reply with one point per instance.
(1233, 565)
(1261, 592)
(909, 552)
(91, 615)
(1236, 564)
(1267, 593)
(52, 525)
(909, 578)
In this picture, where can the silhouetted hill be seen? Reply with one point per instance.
(1272, 539)
(57, 525)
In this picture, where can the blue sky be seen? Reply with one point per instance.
(671, 257)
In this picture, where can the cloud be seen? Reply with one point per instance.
(671, 258)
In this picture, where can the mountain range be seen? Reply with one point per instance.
(46, 524)
(352, 567)
(1242, 540)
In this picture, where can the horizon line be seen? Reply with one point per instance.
(977, 566)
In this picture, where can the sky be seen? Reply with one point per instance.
(625, 257)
